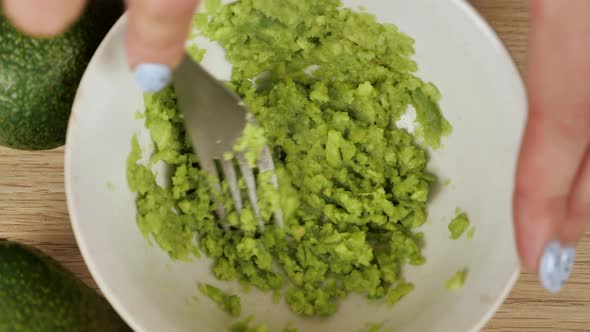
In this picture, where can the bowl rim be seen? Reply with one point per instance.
(133, 322)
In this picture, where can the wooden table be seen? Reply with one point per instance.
(33, 210)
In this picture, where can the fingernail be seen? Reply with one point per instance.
(152, 77)
(556, 266)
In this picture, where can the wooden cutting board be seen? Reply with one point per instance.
(33, 210)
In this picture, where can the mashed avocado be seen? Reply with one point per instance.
(459, 225)
(229, 303)
(244, 326)
(326, 86)
(457, 281)
(394, 294)
(471, 233)
(375, 327)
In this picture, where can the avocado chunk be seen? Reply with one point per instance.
(457, 281)
(39, 77)
(229, 303)
(458, 225)
(37, 294)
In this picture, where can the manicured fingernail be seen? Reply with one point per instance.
(556, 266)
(152, 77)
(568, 257)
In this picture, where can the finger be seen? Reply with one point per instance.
(555, 137)
(43, 18)
(156, 36)
(547, 167)
(579, 204)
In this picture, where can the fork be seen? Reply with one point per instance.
(215, 118)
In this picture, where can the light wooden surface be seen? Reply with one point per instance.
(33, 210)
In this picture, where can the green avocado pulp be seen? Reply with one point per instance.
(352, 185)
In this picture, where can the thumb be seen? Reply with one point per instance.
(155, 40)
(551, 182)
(43, 18)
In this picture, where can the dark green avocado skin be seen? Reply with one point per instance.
(37, 294)
(39, 77)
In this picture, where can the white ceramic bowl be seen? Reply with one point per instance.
(483, 97)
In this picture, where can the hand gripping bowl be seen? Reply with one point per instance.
(482, 96)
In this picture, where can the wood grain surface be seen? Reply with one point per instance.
(33, 210)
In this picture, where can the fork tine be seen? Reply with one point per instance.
(230, 176)
(209, 166)
(248, 175)
(266, 164)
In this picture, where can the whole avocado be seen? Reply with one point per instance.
(37, 294)
(39, 77)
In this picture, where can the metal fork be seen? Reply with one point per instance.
(215, 118)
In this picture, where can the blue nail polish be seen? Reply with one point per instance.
(568, 256)
(152, 77)
(556, 266)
